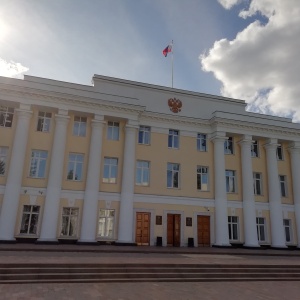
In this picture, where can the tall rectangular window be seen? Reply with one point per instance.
(201, 142)
(113, 131)
(279, 152)
(106, 223)
(44, 120)
(142, 173)
(228, 146)
(261, 229)
(257, 183)
(230, 181)
(3, 159)
(202, 178)
(69, 222)
(144, 135)
(38, 164)
(282, 182)
(173, 175)
(79, 128)
(75, 166)
(254, 149)
(110, 170)
(173, 139)
(233, 228)
(288, 230)
(6, 116)
(30, 218)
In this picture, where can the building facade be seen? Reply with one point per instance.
(127, 162)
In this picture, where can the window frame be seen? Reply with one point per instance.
(201, 138)
(113, 131)
(283, 186)
(171, 170)
(255, 149)
(3, 159)
(80, 126)
(7, 113)
(23, 220)
(144, 135)
(279, 152)
(200, 175)
(40, 160)
(228, 177)
(76, 163)
(288, 227)
(258, 227)
(229, 146)
(142, 170)
(173, 139)
(106, 224)
(233, 228)
(255, 180)
(109, 166)
(43, 118)
(69, 216)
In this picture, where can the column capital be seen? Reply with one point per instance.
(218, 136)
(294, 147)
(246, 140)
(23, 113)
(97, 123)
(62, 118)
(271, 144)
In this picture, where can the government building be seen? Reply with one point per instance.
(132, 163)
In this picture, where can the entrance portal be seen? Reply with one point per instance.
(173, 230)
(203, 225)
(142, 233)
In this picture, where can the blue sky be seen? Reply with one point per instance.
(71, 40)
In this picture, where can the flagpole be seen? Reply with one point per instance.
(172, 63)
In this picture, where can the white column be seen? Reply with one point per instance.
(90, 204)
(295, 163)
(248, 194)
(14, 177)
(51, 208)
(277, 230)
(221, 215)
(125, 233)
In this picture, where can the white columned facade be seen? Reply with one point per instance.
(10, 202)
(50, 217)
(276, 216)
(90, 203)
(295, 165)
(125, 232)
(221, 215)
(248, 193)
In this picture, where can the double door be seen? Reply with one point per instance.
(142, 232)
(173, 230)
(203, 226)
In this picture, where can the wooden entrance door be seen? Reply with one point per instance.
(203, 225)
(142, 235)
(173, 230)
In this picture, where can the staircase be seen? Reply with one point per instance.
(71, 273)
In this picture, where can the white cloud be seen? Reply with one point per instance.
(261, 65)
(228, 3)
(11, 69)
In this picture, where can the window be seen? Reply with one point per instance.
(30, 219)
(233, 228)
(106, 223)
(110, 170)
(173, 175)
(288, 230)
(44, 119)
(79, 128)
(38, 164)
(279, 152)
(230, 181)
(3, 159)
(202, 178)
(75, 166)
(257, 183)
(201, 142)
(173, 139)
(144, 135)
(228, 146)
(142, 173)
(113, 131)
(261, 229)
(69, 222)
(282, 182)
(6, 116)
(254, 149)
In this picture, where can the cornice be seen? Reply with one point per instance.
(69, 100)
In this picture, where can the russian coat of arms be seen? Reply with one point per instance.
(175, 105)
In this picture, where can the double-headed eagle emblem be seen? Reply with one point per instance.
(175, 105)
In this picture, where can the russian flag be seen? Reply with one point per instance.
(167, 50)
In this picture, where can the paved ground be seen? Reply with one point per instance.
(24, 253)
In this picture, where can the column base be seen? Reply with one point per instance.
(47, 242)
(123, 243)
(13, 241)
(222, 245)
(279, 247)
(251, 246)
(87, 242)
